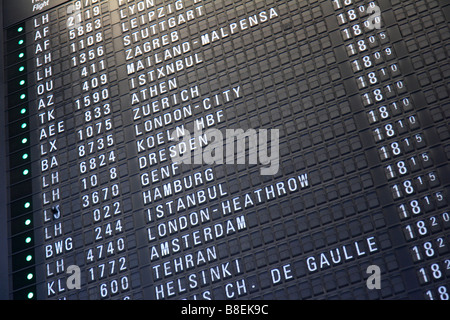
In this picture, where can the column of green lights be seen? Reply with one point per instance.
(21, 128)
(23, 96)
(24, 126)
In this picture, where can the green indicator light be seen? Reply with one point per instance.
(27, 205)
(21, 68)
(30, 276)
(20, 29)
(23, 96)
(21, 55)
(25, 156)
(26, 172)
(23, 126)
(22, 82)
(24, 140)
(27, 222)
(21, 42)
(23, 111)
(30, 295)
(28, 239)
(29, 257)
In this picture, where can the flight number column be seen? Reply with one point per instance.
(98, 151)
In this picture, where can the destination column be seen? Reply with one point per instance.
(187, 209)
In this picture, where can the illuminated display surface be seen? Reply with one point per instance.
(98, 95)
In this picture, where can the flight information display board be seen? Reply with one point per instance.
(226, 149)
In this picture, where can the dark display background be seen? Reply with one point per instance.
(375, 153)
